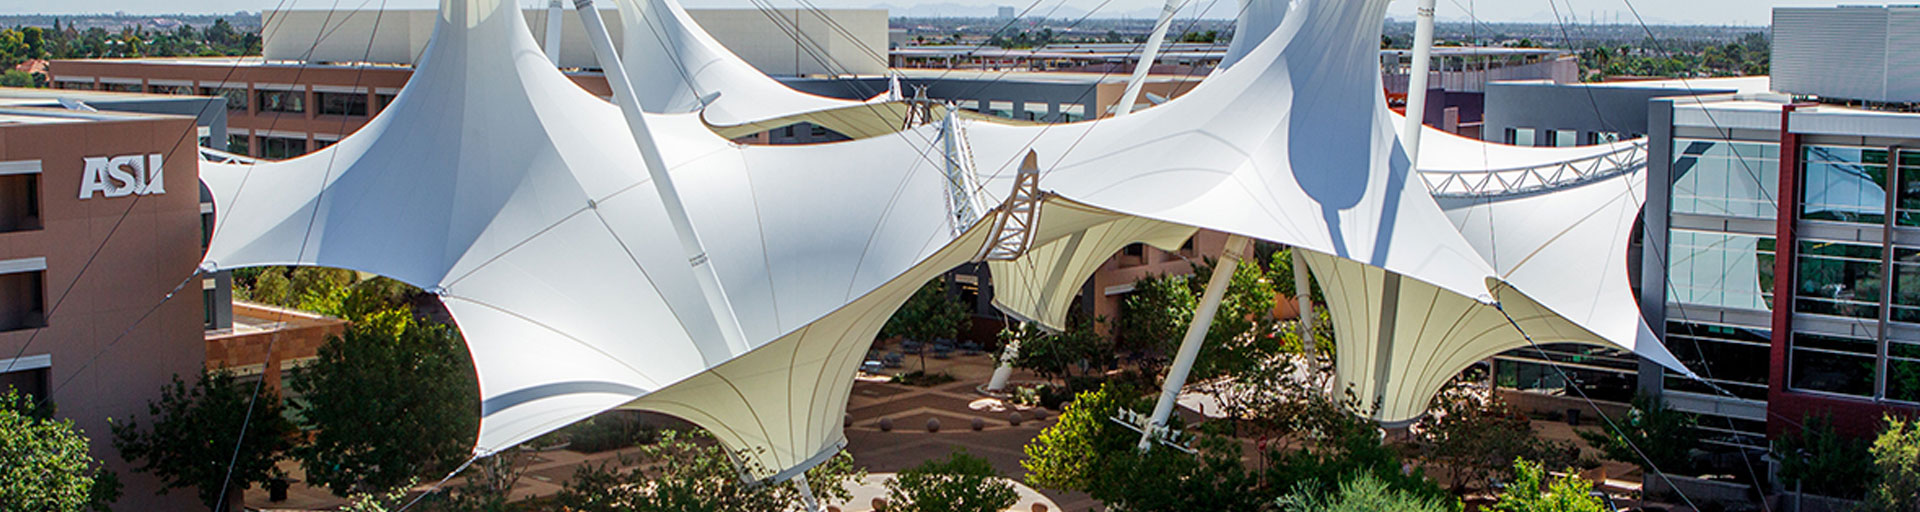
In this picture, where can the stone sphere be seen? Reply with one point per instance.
(1016, 418)
(886, 424)
(979, 424)
(933, 424)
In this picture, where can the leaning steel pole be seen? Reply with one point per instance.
(1417, 80)
(1147, 55)
(1196, 336)
(703, 270)
(629, 102)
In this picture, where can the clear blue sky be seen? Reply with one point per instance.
(1745, 12)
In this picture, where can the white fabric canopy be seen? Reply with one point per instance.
(495, 182)
(1216, 181)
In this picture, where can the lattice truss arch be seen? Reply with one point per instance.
(1535, 178)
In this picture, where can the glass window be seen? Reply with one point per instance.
(1724, 354)
(209, 307)
(291, 102)
(1844, 184)
(19, 202)
(1832, 364)
(33, 383)
(1721, 269)
(381, 101)
(1000, 108)
(1839, 279)
(1737, 179)
(1907, 208)
(1903, 372)
(238, 144)
(1072, 113)
(1603, 137)
(22, 301)
(1520, 136)
(133, 87)
(73, 85)
(236, 98)
(181, 90)
(1601, 373)
(1906, 286)
(277, 148)
(341, 104)
(1566, 138)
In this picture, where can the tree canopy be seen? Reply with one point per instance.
(690, 472)
(957, 483)
(44, 463)
(1533, 490)
(1896, 464)
(192, 433)
(391, 401)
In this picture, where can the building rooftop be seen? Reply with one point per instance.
(1056, 77)
(19, 115)
(21, 96)
(1481, 51)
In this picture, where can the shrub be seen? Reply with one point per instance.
(923, 379)
(1823, 462)
(958, 483)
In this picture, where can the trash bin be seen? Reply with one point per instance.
(1573, 417)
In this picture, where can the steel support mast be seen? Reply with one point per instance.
(1196, 336)
(1147, 55)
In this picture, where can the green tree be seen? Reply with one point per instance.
(1067, 454)
(1241, 336)
(192, 436)
(1478, 438)
(17, 78)
(1280, 273)
(35, 41)
(926, 316)
(1896, 463)
(1821, 461)
(1651, 435)
(689, 472)
(391, 401)
(1086, 451)
(1363, 492)
(357, 300)
(1334, 445)
(1054, 355)
(1154, 318)
(44, 463)
(1533, 490)
(958, 483)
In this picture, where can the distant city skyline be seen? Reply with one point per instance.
(1707, 12)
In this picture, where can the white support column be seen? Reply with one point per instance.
(1147, 55)
(553, 30)
(629, 102)
(1196, 336)
(1005, 370)
(806, 493)
(1417, 80)
(1303, 297)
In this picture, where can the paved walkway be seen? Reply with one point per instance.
(955, 405)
